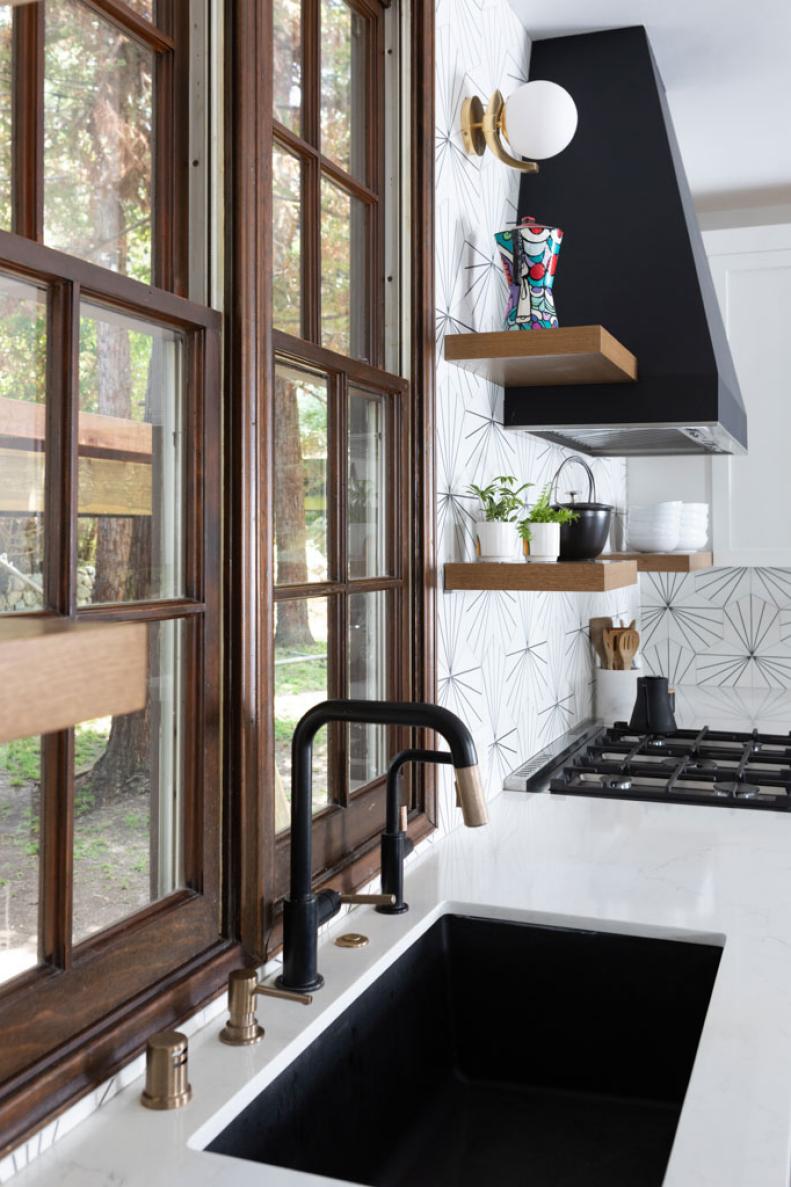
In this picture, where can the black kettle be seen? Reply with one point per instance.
(584, 538)
(653, 708)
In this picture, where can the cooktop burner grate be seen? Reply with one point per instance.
(711, 767)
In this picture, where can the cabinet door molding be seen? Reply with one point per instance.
(751, 494)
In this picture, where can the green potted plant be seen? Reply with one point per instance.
(501, 502)
(541, 529)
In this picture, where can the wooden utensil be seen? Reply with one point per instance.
(596, 628)
(627, 642)
(608, 640)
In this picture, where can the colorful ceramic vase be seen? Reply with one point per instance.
(529, 253)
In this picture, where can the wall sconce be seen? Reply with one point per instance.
(538, 121)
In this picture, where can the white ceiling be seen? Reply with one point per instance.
(725, 66)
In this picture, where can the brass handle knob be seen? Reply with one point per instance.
(242, 1028)
(375, 900)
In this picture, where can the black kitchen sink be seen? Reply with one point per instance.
(499, 1053)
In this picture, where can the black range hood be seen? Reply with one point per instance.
(632, 260)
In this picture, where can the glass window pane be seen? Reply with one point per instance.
(98, 112)
(344, 85)
(20, 794)
(144, 7)
(300, 485)
(368, 681)
(345, 311)
(23, 367)
(367, 485)
(5, 117)
(128, 797)
(131, 479)
(301, 641)
(287, 59)
(286, 242)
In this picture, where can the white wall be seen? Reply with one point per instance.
(656, 479)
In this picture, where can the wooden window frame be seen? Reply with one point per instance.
(87, 1008)
(349, 822)
(250, 592)
(315, 165)
(248, 841)
(167, 38)
(352, 823)
(74, 991)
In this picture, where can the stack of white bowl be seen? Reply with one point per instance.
(667, 527)
(694, 527)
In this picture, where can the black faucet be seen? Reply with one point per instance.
(304, 911)
(396, 845)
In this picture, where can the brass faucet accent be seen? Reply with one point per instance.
(167, 1086)
(242, 1028)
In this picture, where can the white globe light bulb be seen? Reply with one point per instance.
(540, 120)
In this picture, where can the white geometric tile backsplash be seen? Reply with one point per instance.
(723, 627)
(517, 667)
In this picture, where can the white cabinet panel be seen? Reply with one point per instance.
(751, 495)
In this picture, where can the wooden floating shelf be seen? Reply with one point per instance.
(544, 358)
(562, 577)
(665, 562)
(57, 673)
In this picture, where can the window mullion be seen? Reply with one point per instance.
(56, 849)
(311, 71)
(56, 845)
(339, 422)
(60, 501)
(311, 249)
(28, 121)
(338, 650)
(311, 170)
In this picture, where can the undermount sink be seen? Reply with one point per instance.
(495, 1052)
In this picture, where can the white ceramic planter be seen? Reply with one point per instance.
(497, 541)
(544, 542)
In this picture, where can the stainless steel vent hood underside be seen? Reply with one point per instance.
(632, 260)
(642, 440)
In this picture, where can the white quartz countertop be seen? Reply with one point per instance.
(646, 869)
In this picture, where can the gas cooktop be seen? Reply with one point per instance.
(704, 766)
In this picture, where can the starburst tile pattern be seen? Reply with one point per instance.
(668, 658)
(727, 627)
(516, 667)
(458, 667)
(488, 442)
(672, 607)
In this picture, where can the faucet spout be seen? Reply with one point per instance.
(304, 911)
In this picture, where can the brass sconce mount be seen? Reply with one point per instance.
(482, 129)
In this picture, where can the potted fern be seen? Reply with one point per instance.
(501, 502)
(541, 529)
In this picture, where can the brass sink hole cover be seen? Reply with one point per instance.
(352, 939)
